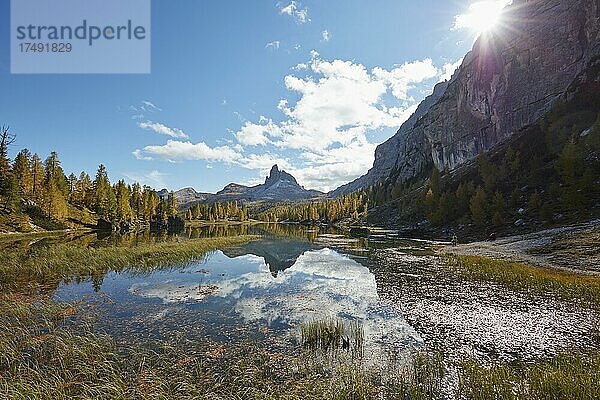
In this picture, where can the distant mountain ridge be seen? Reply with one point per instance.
(279, 186)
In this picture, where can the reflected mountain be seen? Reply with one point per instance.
(278, 254)
(320, 283)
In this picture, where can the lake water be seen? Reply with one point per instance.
(262, 291)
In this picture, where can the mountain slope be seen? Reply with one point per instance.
(510, 79)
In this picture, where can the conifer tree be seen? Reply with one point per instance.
(82, 195)
(172, 205)
(498, 209)
(22, 173)
(123, 209)
(54, 188)
(105, 201)
(8, 185)
(37, 178)
(478, 206)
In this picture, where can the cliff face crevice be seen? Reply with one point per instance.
(509, 80)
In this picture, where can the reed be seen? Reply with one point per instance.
(559, 284)
(61, 262)
(332, 334)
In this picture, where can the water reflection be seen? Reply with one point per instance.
(264, 289)
(272, 283)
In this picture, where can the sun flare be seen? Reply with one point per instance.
(482, 16)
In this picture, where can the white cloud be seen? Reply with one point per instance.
(274, 45)
(153, 178)
(149, 106)
(403, 78)
(294, 10)
(176, 150)
(264, 162)
(300, 67)
(163, 129)
(257, 134)
(325, 35)
(449, 69)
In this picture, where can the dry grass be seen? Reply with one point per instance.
(562, 285)
(61, 262)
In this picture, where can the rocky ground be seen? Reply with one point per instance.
(575, 247)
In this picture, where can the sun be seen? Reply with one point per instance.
(482, 16)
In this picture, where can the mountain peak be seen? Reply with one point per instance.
(276, 175)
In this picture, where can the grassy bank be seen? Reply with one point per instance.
(41, 357)
(567, 376)
(49, 265)
(562, 285)
(8, 237)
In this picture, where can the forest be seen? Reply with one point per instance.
(547, 174)
(40, 190)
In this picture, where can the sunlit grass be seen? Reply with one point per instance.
(52, 264)
(559, 284)
(567, 376)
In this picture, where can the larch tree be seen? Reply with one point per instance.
(37, 178)
(22, 172)
(55, 186)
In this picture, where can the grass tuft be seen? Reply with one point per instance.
(559, 284)
(332, 334)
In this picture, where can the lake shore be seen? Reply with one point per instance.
(570, 248)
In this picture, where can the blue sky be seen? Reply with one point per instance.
(239, 85)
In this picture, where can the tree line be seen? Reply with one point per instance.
(28, 183)
(351, 206)
(229, 211)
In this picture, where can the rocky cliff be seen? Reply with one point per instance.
(278, 186)
(509, 80)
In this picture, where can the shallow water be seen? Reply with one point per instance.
(264, 290)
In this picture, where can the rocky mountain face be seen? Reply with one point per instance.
(278, 186)
(188, 196)
(510, 79)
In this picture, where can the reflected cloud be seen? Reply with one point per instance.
(320, 283)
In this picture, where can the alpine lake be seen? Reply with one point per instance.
(390, 297)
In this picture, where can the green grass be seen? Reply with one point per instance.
(10, 237)
(567, 376)
(42, 357)
(52, 264)
(562, 285)
(332, 334)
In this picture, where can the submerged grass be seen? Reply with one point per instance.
(43, 356)
(52, 264)
(562, 285)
